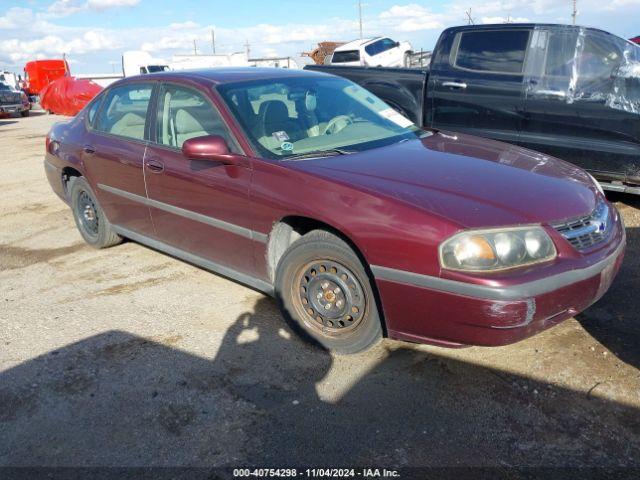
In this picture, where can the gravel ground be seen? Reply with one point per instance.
(126, 356)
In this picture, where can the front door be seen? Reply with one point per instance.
(200, 207)
(478, 89)
(113, 156)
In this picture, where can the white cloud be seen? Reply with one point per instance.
(410, 18)
(16, 17)
(106, 4)
(63, 8)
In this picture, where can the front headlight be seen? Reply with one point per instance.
(496, 249)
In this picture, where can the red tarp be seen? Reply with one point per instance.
(68, 95)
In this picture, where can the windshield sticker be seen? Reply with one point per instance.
(395, 117)
(280, 136)
(287, 146)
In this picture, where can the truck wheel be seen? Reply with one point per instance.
(407, 60)
(89, 216)
(324, 292)
(25, 113)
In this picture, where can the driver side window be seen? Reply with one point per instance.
(184, 113)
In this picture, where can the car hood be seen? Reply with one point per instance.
(471, 181)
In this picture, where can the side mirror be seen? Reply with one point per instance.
(210, 147)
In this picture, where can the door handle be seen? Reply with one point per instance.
(88, 149)
(458, 85)
(155, 166)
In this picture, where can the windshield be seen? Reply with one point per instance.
(293, 116)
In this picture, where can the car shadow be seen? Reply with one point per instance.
(4, 122)
(268, 399)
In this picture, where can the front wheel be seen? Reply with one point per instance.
(89, 216)
(25, 113)
(324, 292)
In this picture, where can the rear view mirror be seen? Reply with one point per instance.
(209, 147)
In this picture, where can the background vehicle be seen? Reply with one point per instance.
(136, 62)
(377, 52)
(9, 78)
(570, 92)
(68, 95)
(216, 167)
(636, 39)
(13, 101)
(40, 73)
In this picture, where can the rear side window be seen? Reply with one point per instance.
(124, 111)
(346, 56)
(496, 51)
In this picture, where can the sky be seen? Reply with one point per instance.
(94, 33)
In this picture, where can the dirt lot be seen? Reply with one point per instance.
(128, 357)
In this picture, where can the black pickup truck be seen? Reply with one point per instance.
(568, 91)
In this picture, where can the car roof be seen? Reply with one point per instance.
(355, 44)
(508, 26)
(220, 76)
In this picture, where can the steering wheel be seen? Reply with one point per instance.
(336, 124)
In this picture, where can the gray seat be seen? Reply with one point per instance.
(187, 127)
(130, 125)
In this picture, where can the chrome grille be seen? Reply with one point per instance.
(588, 231)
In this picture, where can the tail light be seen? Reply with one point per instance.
(52, 146)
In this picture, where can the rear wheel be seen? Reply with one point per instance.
(89, 216)
(324, 291)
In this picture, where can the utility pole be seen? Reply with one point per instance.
(195, 48)
(574, 14)
(247, 48)
(360, 16)
(469, 17)
(213, 41)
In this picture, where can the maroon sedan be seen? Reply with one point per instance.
(308, 187)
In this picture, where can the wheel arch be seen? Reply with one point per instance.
(289, 228)
(69, 173)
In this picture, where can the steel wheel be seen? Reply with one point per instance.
(329, 297)
(88, 214)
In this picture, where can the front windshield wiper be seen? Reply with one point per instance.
(319, 153)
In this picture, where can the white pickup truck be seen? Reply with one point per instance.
(372, 52)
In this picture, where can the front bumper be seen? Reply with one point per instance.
(433, 310)
(9, 109)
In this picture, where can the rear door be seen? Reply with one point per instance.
(113, 154)
(200, 207)
(581, 104)
(479, 87)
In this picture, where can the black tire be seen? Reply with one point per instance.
(25, 113)
(351, 323)
(89, 216)
(407, 60)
